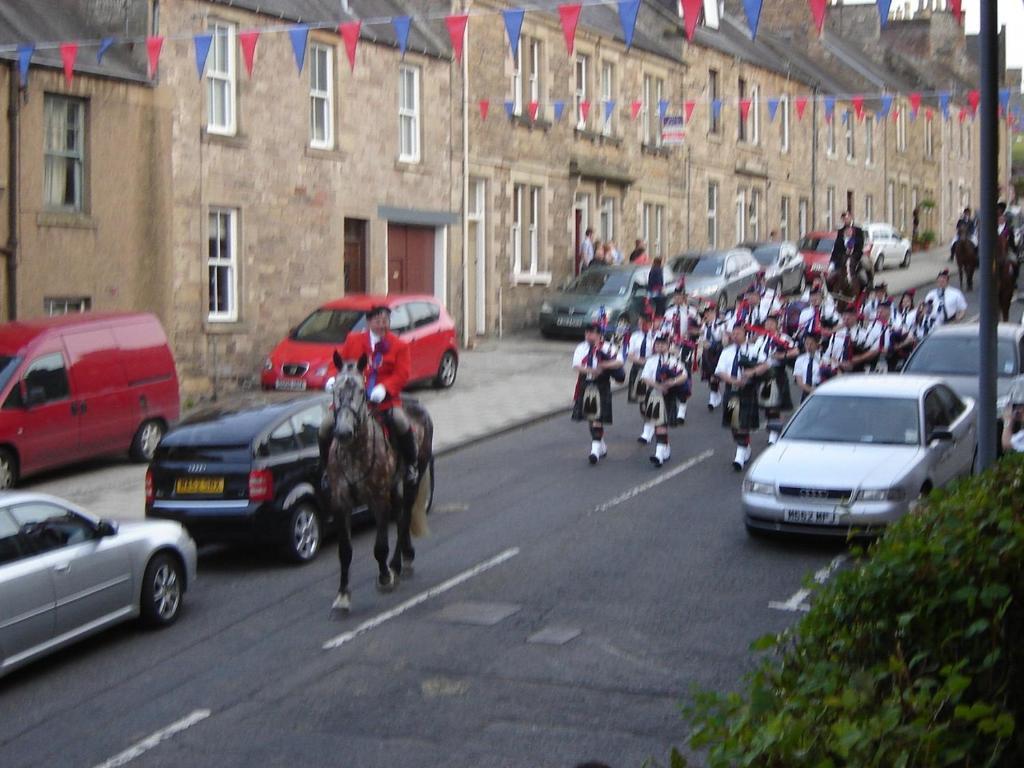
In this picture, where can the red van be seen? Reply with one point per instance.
(78, 386)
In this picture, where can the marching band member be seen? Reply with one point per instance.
(815, 317)
(879, 293)
(641, 347)
(594, 361)
(709, 349)
(925, 320)
(948, 303)
(809, 367)
(664, 375)
(773, 394)
(840, 349)
(876, 341)
(904, 332)
(739, 366)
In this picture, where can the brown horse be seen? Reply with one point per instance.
(966, 255)
(1005, 278)
(364, 470)
(846, 284)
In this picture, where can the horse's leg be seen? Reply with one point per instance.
(381, 512)
(404, 552)
(343, 602)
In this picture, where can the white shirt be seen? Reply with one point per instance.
(650, 371)
(636, 341)
(806, 321)
(1017, 441)
(946, 303)
(750, 351)
(587, 252)
(581, 356)
(837, 345)
(800, 369)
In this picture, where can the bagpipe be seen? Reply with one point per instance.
(655, 406)
(611, 349)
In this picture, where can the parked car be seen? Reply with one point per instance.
(816, 250)
(782, 263)
(718, 275)
(79, 386)
(618, 291)
(303, 359)
(246, 472)
(65, 574)
(883, 245)
(858, 453)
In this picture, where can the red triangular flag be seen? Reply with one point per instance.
(895, 114)
(915, 102)
(585, 110)
(801, 105)
(457, 32)
(349, 31)
(68, 52)
(958, 12)
(858, 106)
(153, 46)
(485, 106)
(533, 107)
(744, 108)
(688, 110)
(929, 115)
(570, 15)
(691, 14)
(818, 11)
(974, 98)
(634, 109)
(248, 40)
(963, 114)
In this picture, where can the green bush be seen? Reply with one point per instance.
(925, 239)
(914, 657)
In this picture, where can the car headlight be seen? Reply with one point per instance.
(322, 370)
(752, 486)
(268, 364)
(546, 308)
(329, 384)
(881, 494)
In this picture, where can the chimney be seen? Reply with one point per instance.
(785, 16)
(854, 21)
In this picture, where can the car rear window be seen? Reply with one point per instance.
(818, 244)
(209, 454)
(8, 365)
(601, 283)
(766, 255)
(330, 325)
(959, 356)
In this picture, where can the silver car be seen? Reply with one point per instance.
(65, 574)
(858, 453)
(721, 276)
(782, 264)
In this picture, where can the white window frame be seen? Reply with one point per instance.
(754, 215)
(321, 94)
(869, 140)
(742, 130)
(582, 67)
(65, 305)
(903, 208)
(216, 219)
(712, 214)
(830, 136)
(607, 219)
(851, 145)
(803, 214)
(830, 207)
(714, 93)
(224, 75)
(653, 93)
(901, 131)
(517, 79)
(653, 220)
(784, 218)
(869, 207)
(534, 77)
(929, 139)
(59, 159)
(528, 201)
(890, 201)
(741, 215)
(755, 114)
(409, 115)
(784, 122)
(608, 94)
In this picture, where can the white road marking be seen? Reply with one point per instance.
(398, 610)
(796, 602)
(644, 487)
(148, 743)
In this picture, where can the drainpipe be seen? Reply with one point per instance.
(10, 250)
(465, 184)
(814, 159)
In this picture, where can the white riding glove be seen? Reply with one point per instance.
(378, 393)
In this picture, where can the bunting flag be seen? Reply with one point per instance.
(883, 11)
(929, 114)
(883, 111)
(1004, 98)
(513, 26)
(688, 111)
(716, 108)
(534, 108)
(662, 108)
(801, 105)
(153, 47)
(349, 31)
(744, 109)
(773, 107)
(830, 107)
(299, 36)
(915, 103)
(24, 59)
(559, 107)
(202, 44)
(585, 110)
(485, 107)
(609, 109)
(628, 10)
(68, 54)
(974, 98)
(944, 104)
(753, 10)
(958, 12)
(858, 106)
(691, 15)
(895, 114)
(510, 108)
(247, 40)
(457, 32)
(634, 109)
(570, 16)
(105, 45)
(401, 25)
(818, 12)
(963, 114)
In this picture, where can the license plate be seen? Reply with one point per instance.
(197, 485)
(571, 322)
(812, 516)
(290, 384)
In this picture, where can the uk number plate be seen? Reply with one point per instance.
(195, 485)
(569, 322)
(290, 384)
(810, 516)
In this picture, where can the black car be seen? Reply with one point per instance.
(245, 472)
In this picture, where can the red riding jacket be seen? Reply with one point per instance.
(390, 367)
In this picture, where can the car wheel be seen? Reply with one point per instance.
(146, 439)
(879, 264)
(304, 533)
(447, 370)
(162, 588)
(906, 260)
(8, 469)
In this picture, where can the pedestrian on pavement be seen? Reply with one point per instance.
(656, 287)
(587, 249)
(639, 249)
(807, 372)
(664, 376)
(948, 303)
(916, 225)
(614, 254)
(740, 367)
(594, 363)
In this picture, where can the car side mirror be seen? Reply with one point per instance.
(106, 528)
(941, 434)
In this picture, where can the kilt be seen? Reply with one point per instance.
(778, 378)
(709, 361)
(663, 411)
(637, 389)
(604, 400)
(741, 411)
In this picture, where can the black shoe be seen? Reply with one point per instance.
(594, 458)
(643, 440)
(737, 466)
(711, 407)
(656, 461)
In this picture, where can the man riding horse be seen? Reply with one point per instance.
(847, 272)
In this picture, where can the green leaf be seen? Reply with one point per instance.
(676, 760)
(976, 627)
(764, 643)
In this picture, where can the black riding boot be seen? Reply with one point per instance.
(410, 452)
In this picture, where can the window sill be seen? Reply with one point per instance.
(528, 278)
(216, 327)
(225, 140)
(596, 137)
(316, 153)
(67, 219)
(715, 137)
(410, 166)
(656, 150)
(525, 122)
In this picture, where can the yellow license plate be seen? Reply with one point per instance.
(196, 485)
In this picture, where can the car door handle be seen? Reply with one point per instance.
(81, 407)
(62, 568)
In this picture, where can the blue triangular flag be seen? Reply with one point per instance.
(944, 103)
(24, 57)
(1004, 98)
(628, 10)
(830, 106)
(716, 108)
(609, 108)
(401, 25)
(559, 107)
(883, 11)
(510, 107)
(753, 11)
(513, 26)
(773, 107)
(105, 44)
(662, 108)
(299, 36)
(883, 112)
(202, 43)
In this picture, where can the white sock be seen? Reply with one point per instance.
(648, 432)
(773, 437)
(595, 447)
(659, 452)
(746, 453)
(604, 448)
(715, 399)
(667, 451)
(740, 458)
(681, 411)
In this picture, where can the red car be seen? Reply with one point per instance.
(816, 249)
(303, 360)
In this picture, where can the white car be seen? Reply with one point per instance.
(858, 453)
(883, 245)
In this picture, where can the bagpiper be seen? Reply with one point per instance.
(641, 347)
(740, 367)
(809, 370)
(842, 346)
(773, 393)
(948, 303)
(904, 329)
(595, 362)
(815, 317)
(709, 350)
(879, 293)
(664, 375)
(876, 341)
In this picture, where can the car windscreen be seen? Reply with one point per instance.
(767, 255)
(959, 356)
(330, 325)
(856, 419)
(706, 266)
(818, 244)
(601, 283)
(8, 365)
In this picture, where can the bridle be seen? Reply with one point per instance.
(345, 382)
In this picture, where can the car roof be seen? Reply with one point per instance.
(239, 420)
(365, 301)
(20, 332)
(819, 233)
(9, 498)
(879, 385)
(1010, 331)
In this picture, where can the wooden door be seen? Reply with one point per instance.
(410, 259)
(355, 256)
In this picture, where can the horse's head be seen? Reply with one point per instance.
(349, 394)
